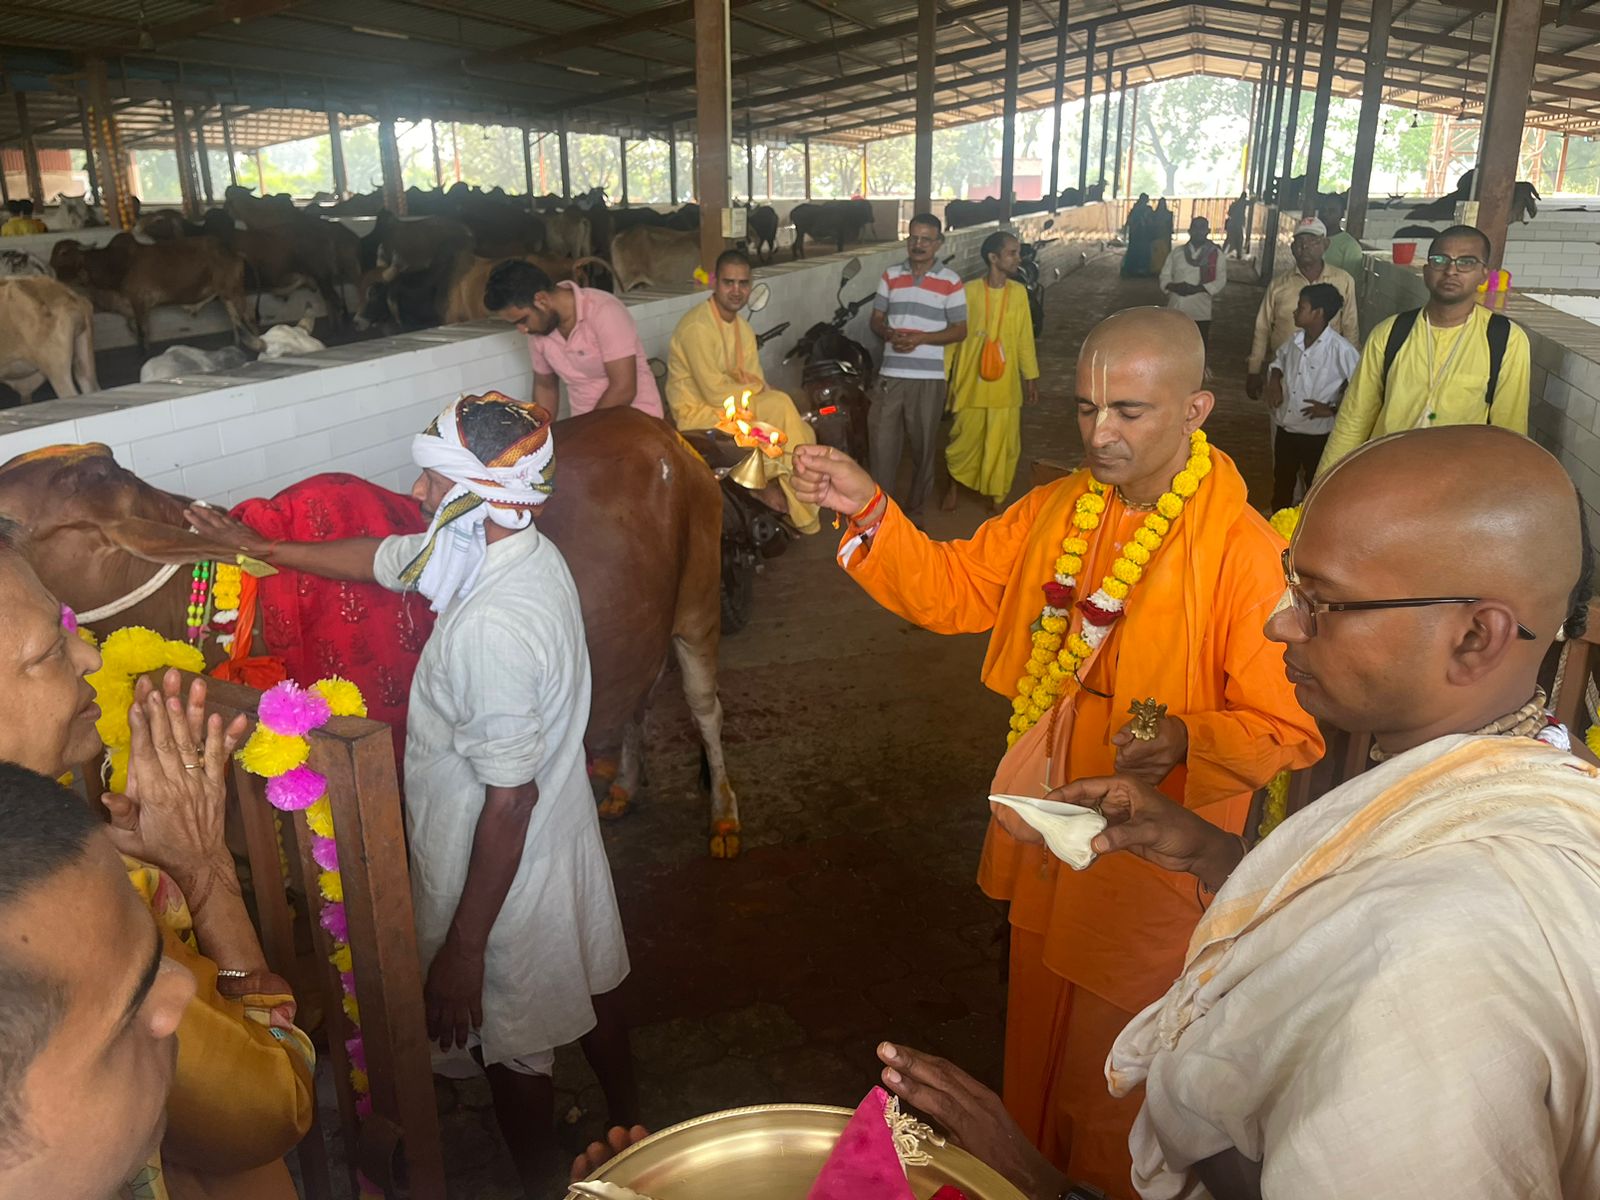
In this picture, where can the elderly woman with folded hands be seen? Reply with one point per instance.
(242, 1093)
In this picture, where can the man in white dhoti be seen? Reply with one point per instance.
(1396, 994)
(516, 917)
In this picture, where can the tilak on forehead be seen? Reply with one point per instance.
(1100, 385)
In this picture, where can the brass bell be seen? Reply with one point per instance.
(751, 473)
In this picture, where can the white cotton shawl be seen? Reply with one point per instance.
(1397, 994)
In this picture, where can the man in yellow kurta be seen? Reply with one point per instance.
(1153, 554)
(714, 356)
(1452, 367)
(996, 372)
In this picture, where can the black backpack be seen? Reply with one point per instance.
(1498, 333)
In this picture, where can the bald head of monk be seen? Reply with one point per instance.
(1472, 512)
(1141, 393)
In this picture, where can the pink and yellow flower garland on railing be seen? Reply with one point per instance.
(277, 751)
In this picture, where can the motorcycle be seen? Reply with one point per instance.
(836, 375)
(1030, 277)
(751, 531)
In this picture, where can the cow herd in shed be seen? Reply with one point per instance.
(427, 268)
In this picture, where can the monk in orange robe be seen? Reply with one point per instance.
(1090, 949)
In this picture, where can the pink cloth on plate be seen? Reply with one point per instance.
(863, 1164)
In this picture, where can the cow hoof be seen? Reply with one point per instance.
(603, 768)
(615, 805)
(725, 845)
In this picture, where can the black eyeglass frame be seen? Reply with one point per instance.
(1459, 262)
(1315, 608)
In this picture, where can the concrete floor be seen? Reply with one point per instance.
(862, 748)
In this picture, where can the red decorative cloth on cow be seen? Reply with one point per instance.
(864, 1164)
(320, 627)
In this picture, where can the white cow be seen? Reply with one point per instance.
(74, 213)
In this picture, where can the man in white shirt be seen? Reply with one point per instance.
(1305, 386)
(1193, 275)
(921, 308)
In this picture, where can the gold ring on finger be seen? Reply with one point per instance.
(192, 766)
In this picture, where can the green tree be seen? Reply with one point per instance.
(1194, 154)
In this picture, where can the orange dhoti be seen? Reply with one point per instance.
(1092, 948)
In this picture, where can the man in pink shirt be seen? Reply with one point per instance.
(583, 336)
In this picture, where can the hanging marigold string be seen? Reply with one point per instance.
(1058, 651)
(124, 656)
(277, 751)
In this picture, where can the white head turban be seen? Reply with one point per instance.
(505, 490)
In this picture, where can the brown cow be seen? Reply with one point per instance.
(464, 302)
(46, 332)
(649, 256)
(636, 515)
(325, 250)
(131, 278)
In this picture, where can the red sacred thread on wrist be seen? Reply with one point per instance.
(877, 494)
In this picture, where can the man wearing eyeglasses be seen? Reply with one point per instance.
(921, 308)
(1451, 362)
(1396, 992)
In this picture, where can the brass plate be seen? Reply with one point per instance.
(773, 1151)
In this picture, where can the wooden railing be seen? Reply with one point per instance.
(397, 1146)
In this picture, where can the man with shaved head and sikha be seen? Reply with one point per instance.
(1144, 575)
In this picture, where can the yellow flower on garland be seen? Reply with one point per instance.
(343, 697)
(1055, 625)
(352, 1010)
(341, 958)
(1277, 808)
(319, 817)
(1285, 521)
(1592, 740)
(1038, 689)
(332, 886)
(271, 754)
(125, 655)
(359, 1080)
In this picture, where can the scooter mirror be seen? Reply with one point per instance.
(851, 270)
(759, 295)
(1050, 224)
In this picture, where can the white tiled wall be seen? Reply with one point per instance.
(355, 408)
(1557, 250)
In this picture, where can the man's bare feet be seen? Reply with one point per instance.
(947, 500)
(598, 1154)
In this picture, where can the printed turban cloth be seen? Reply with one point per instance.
(500, 455)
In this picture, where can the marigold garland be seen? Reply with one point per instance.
(1277, 806)
(1058, 653)
(124, 656)
(1285, 521)
(277, 750)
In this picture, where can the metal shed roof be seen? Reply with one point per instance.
(824, 68)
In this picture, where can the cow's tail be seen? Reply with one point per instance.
(252, 284)
(591, 260)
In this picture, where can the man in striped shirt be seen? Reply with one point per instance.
(920, 309)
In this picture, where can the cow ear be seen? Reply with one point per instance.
(158, 543)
